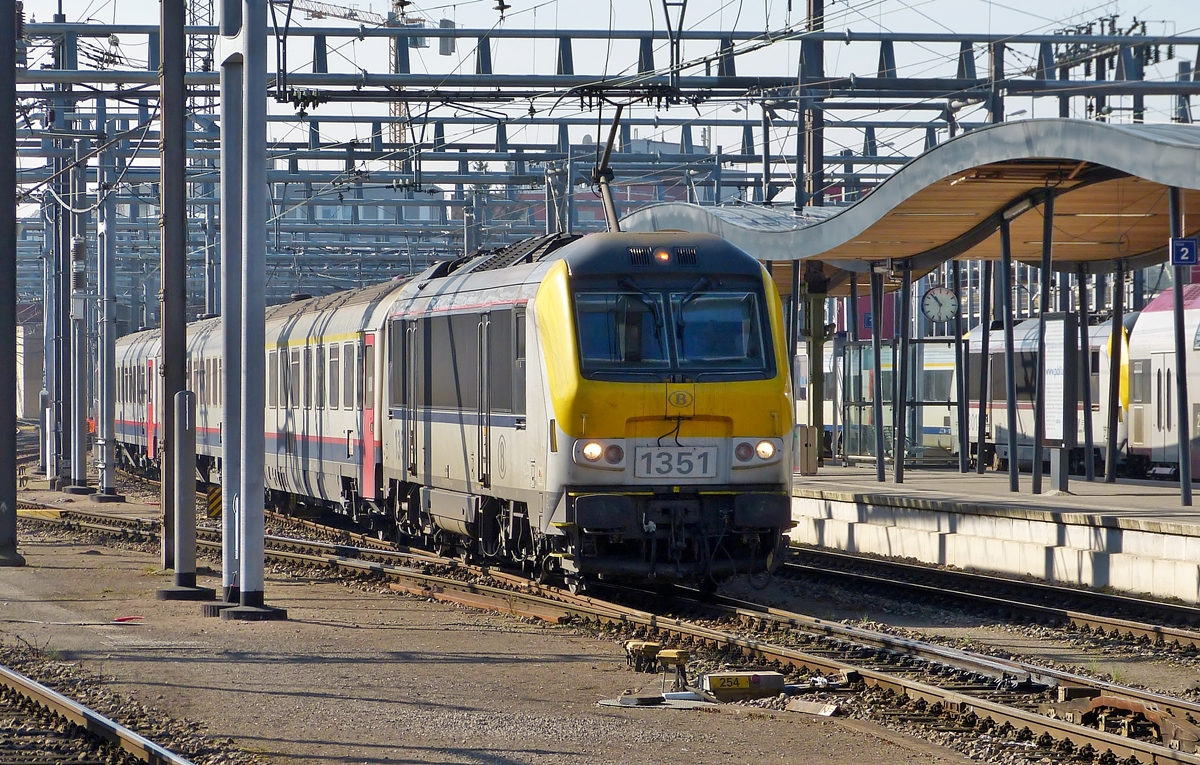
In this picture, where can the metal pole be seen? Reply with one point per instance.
(185, 504)
(814, 311)
(79, 361)
(253, 343)
(231, 306)
(1181, 351)
(900, 442)
(855, 335)
(1116, 340)
(49, 458)
(1010, 374)
(877, 381)
(1039, 406)
(106, 231)
(77, 416)
(173, 220)
(960, 373)
(793, 330)
(985, 358)
(65, 59)
(1089, 442)
(8, 286)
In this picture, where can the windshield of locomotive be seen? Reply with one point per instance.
(673, 334)
(717, 331)
(622, 330)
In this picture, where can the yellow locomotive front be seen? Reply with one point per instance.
(667, 375)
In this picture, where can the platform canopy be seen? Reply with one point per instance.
(1111, 184)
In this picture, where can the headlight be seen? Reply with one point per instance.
(592, 451)
(613, 454)
(765, 450)
(743, 452)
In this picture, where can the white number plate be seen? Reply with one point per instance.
(675, 462)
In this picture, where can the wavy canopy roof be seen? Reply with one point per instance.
(1111, 184)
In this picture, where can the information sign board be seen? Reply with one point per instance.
(1185, 252)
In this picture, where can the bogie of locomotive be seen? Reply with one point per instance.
(615, 405)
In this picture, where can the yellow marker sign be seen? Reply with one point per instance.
(214, 501)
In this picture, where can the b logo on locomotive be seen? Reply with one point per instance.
(680, 398)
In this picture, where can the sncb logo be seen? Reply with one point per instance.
(680, 398)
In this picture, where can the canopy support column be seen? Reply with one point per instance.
(985, 357)
(1010, 379)
(901, 439)
(1039, 424)
(960, 374)
(1115, 342)
(1181, 351)
(877, 371)
(1089, 439)
(853, 306)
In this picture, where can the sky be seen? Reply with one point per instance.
(1180, 17)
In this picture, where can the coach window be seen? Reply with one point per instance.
(1141, 381)
(285, 375)
(273, 386)
(308, 376)
(501, 354)
(334, 379)
(294, 380)
(368, 392)
(519, 363)
(396, 365)
(348, 376)
(364, 378)
(319, 394)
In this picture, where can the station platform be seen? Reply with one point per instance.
(1130, 536)
(142, 507)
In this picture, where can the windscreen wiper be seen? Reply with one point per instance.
(651, 300)
(703, 285)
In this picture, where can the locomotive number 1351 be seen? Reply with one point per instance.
(675, 462)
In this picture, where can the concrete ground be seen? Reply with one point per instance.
(356, 676)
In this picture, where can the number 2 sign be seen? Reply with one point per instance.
(1185, 252)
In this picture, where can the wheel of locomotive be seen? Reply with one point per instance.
(577, 584)
(541, 570)
(707, 586)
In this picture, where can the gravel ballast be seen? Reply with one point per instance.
(356, 676)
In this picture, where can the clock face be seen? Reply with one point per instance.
(939, 304)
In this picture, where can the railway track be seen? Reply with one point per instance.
(1136, 618)
(944, 688)
(43, 726)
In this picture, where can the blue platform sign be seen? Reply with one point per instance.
(1185, 252)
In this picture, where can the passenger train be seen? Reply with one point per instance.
(1147, 432)
(613, 406)
(1094, 367)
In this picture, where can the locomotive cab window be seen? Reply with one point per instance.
(693, 331)
(621, 331)
(718, 331)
